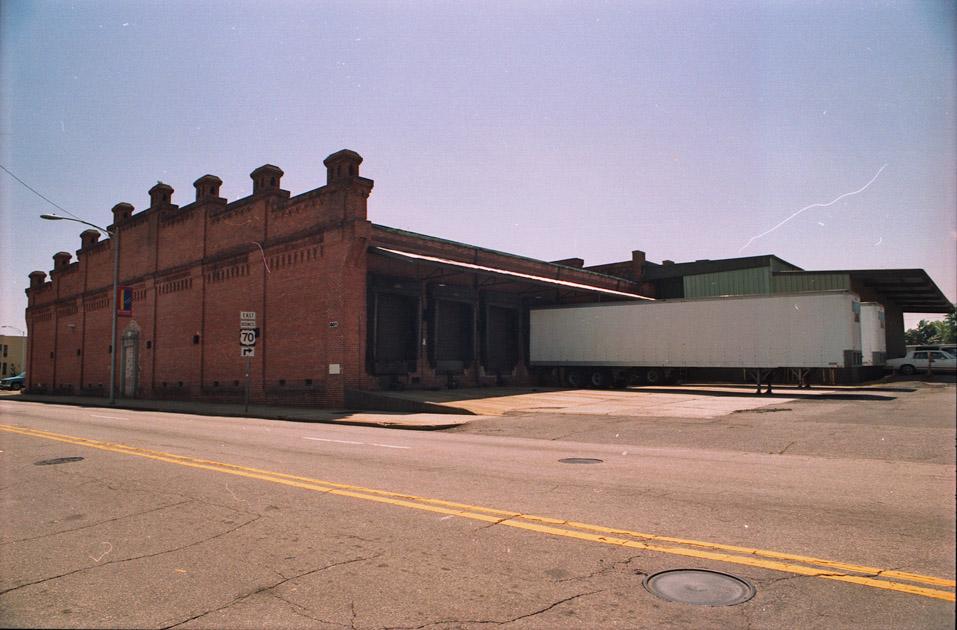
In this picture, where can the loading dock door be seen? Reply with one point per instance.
(501, 339)
(395, 340)
(453, 338)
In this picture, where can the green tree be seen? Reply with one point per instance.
(942, 331)
(949, 327)
(924, 333)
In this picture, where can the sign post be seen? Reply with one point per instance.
(247, 349)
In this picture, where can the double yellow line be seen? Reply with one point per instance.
(891, 580)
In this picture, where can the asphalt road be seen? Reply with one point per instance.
(173, 520)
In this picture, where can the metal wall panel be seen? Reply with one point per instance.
(801, 282)
(738, 282)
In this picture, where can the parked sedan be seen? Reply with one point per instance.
(918, 361)
(13, 382)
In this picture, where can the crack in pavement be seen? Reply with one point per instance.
(270, 587)
(145, 489)
(109, 520)
(602, 570)
(501, 520)
(824, 574)
(493, 621)
(297, 608)
(781, 452)
(149, 555)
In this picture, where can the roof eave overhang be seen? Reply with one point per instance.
(515, 276)
(912, 290)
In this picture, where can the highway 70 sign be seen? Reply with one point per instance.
(247, 334)
(247, 337)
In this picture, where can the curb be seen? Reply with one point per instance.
(385, 424)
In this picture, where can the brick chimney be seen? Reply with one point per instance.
(121, 213)
(37, 278)
(266, 178)
(89, 238)
(61, 260)
(207, 188)
(342, 165)
(161, 195)
(637, 264)
(345, 194)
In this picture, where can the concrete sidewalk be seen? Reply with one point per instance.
(431, 410)
(412, 421)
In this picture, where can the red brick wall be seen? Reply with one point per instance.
(232, 286)
(97, 264)
(96, 339)
(181, 236)
(137, 238)
(69, 344)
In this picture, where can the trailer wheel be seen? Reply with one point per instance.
(574, 378)
(653, 376)
(598, 379)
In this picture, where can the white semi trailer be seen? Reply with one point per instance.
(618, 343)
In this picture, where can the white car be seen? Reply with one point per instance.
(918, 360)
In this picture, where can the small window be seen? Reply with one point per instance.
(77, 352)
(235, 383)
(308, 381)
(215, 383)
(937, 355)
(282, 382)
(195, 340)
(149, 344)
(920, 355)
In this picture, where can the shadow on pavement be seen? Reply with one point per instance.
(777, 392)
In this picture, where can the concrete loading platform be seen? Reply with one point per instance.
(696, 401)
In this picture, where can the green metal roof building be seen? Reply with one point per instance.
(899, 291)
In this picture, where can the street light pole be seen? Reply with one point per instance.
(23, 346)
(115, 236)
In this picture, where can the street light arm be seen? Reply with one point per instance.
(54, 217)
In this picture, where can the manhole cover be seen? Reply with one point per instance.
(58, 460)
(580, 460)
(700, 587)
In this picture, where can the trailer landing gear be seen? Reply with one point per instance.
(801, 376)
(761, 376)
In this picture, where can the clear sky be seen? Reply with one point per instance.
(548, 129)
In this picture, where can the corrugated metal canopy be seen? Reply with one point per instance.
(910, 289)
(445, 262)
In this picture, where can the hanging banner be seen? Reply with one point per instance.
(125, 302)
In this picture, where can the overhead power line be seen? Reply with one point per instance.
(37, 193)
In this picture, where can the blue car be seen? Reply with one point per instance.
(13, 382)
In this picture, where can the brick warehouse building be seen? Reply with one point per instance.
(342, 304)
